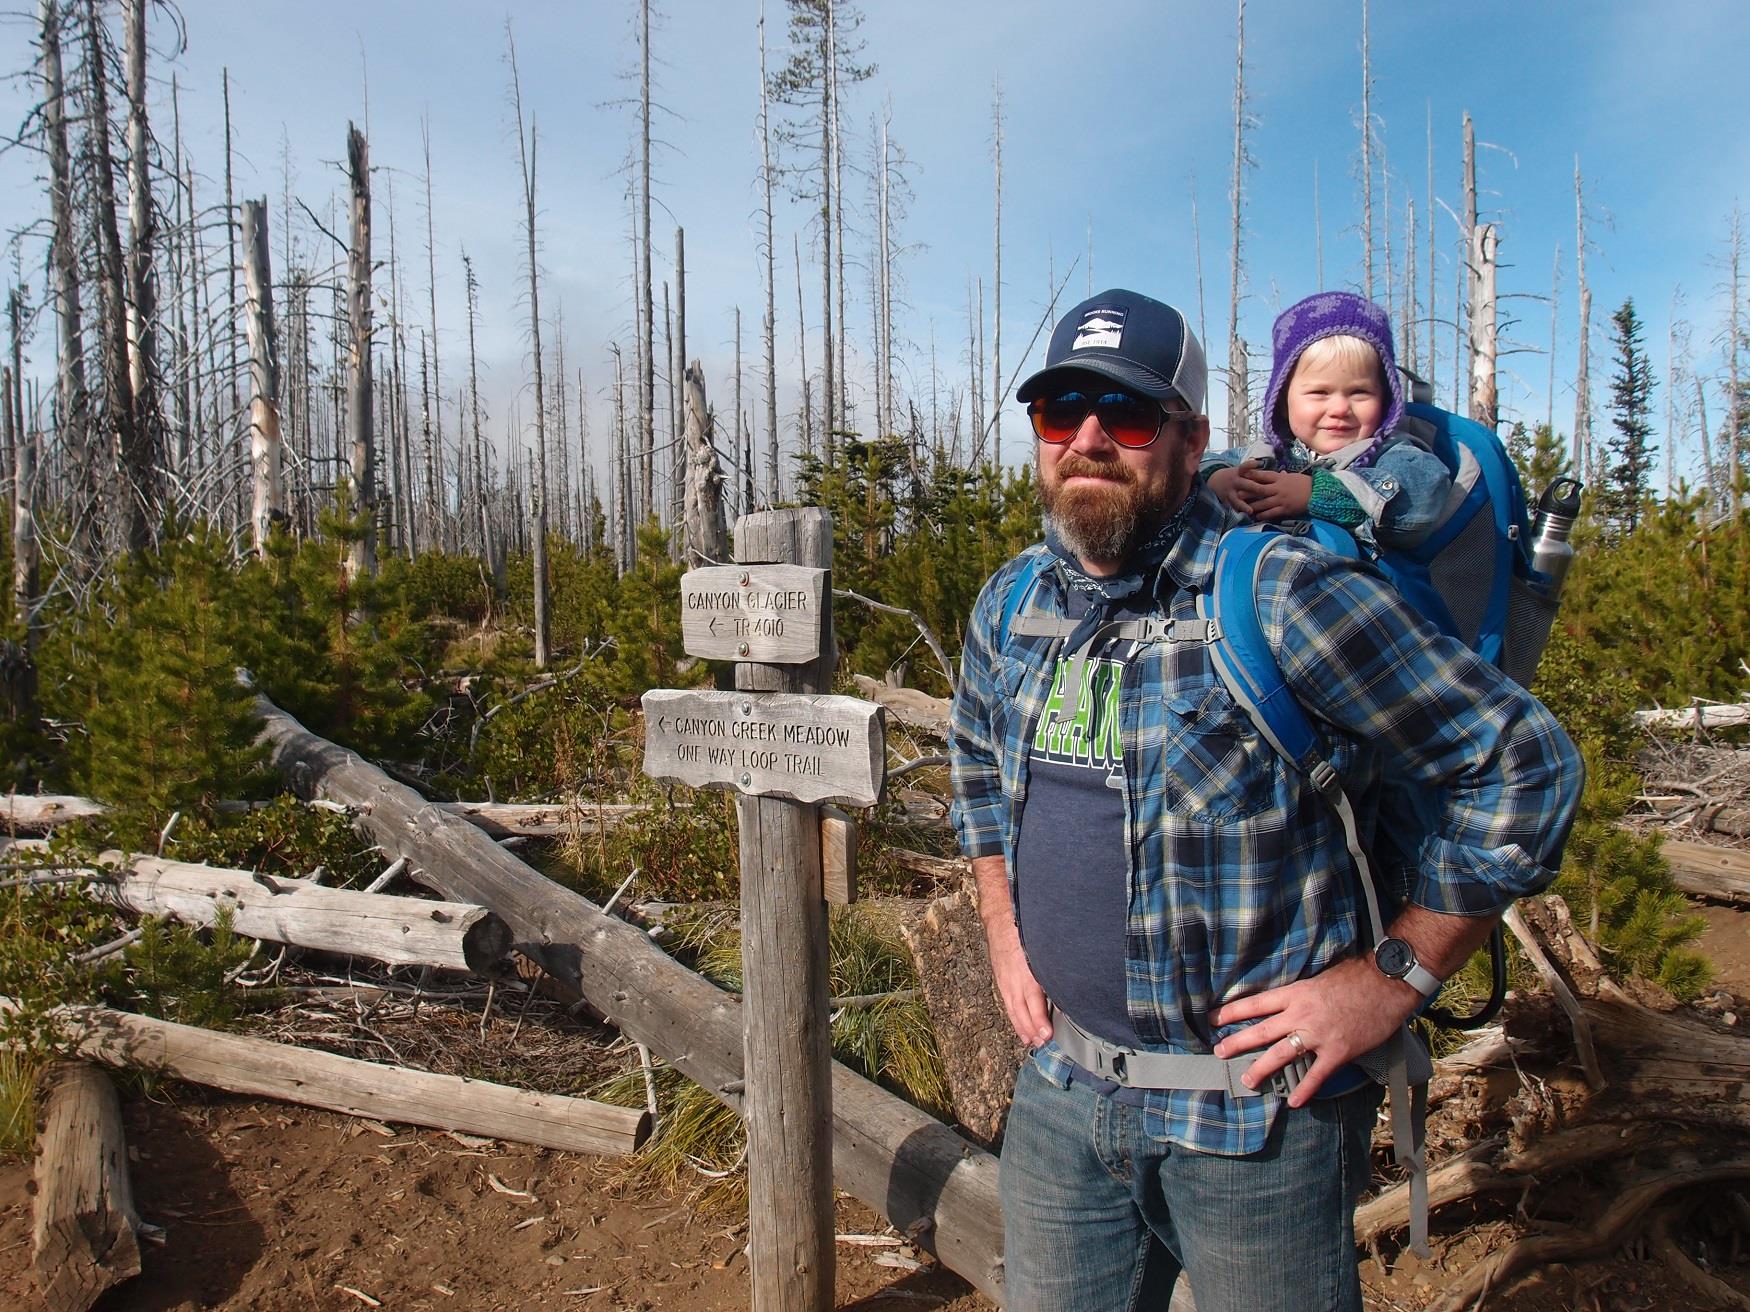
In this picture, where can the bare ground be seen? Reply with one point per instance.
(276, 1208)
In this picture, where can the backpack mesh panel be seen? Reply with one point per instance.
(1529, 617)
(1464, 574)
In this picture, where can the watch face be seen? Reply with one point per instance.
(1394, 957)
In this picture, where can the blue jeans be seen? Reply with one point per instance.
(1100, 1217)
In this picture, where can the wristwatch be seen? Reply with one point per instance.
(1396, 958)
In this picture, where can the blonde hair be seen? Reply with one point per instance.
(1342, 349)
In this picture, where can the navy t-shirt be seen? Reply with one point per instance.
(1072, 894)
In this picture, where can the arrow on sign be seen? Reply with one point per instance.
(713, 626)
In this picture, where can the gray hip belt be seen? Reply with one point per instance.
(1169, 1070)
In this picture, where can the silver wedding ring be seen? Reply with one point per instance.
(1298, 1043)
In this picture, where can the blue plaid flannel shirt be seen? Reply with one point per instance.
(1239, 879)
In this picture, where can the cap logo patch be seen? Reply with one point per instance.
(1099, 328)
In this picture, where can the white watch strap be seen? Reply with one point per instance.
(1423, 980)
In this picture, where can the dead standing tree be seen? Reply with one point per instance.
(137, 465)
(1367, 157)
(996, 317)
(142, 310)
(73, 400)
(26, 554)
(1482, 243)
(773, 481)
(646, 301)
(362, 555)
(822, 59)
(1484, 254)
(707, 529)
(538, 485)
(1238, 381)
(268, 502)
(1582, 462)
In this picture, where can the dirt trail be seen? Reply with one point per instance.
(271, 1208)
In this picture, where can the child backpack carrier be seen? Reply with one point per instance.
(1473, 576)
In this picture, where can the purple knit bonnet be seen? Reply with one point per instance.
(1330, 314)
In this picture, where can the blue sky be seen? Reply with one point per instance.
(1111, 111)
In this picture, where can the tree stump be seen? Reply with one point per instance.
(85, 1235)
(980, 1053)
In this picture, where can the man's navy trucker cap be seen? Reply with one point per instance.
(1130, 338)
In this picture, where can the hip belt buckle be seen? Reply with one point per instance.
(1286, 1080)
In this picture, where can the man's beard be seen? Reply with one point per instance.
(1105, 522)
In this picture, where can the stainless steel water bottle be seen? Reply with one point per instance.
(1551, 552)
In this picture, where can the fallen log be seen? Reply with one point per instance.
(39, 813)
(953, 871)
(909, 706)
(540, 820)
(44, 811)
(1492, 1167)
(926, 1179)
(261, 1068)
(1702, 715)
(1720, 874)
(85, 1233)
(401, 931)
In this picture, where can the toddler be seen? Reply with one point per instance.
(1337, 446)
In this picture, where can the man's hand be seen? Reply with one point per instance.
(1023, 999)
(1349, 1009)
(1224, 483)
(1274, 494)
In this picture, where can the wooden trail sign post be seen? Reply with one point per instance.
(785, 747)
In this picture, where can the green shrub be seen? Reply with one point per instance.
(179, 973)
(1620, 890)
(344, 655)
(18, 1077)
(554, 742)
(683, 843)
(436, 585)
(149, 669)
(1669, 606)
(42, 929)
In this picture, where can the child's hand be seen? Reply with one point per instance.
(1274, 494)
(1224, 482)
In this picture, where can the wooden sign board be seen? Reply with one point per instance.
(805, 748)
(838, 856)
(769, 613)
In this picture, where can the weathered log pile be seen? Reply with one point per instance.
(927, 1180)
(1702, 716)
(1695, 788)
(401, 931)
(1657, 1124)
(260, 1068)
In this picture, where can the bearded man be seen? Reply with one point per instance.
(1172, 915)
